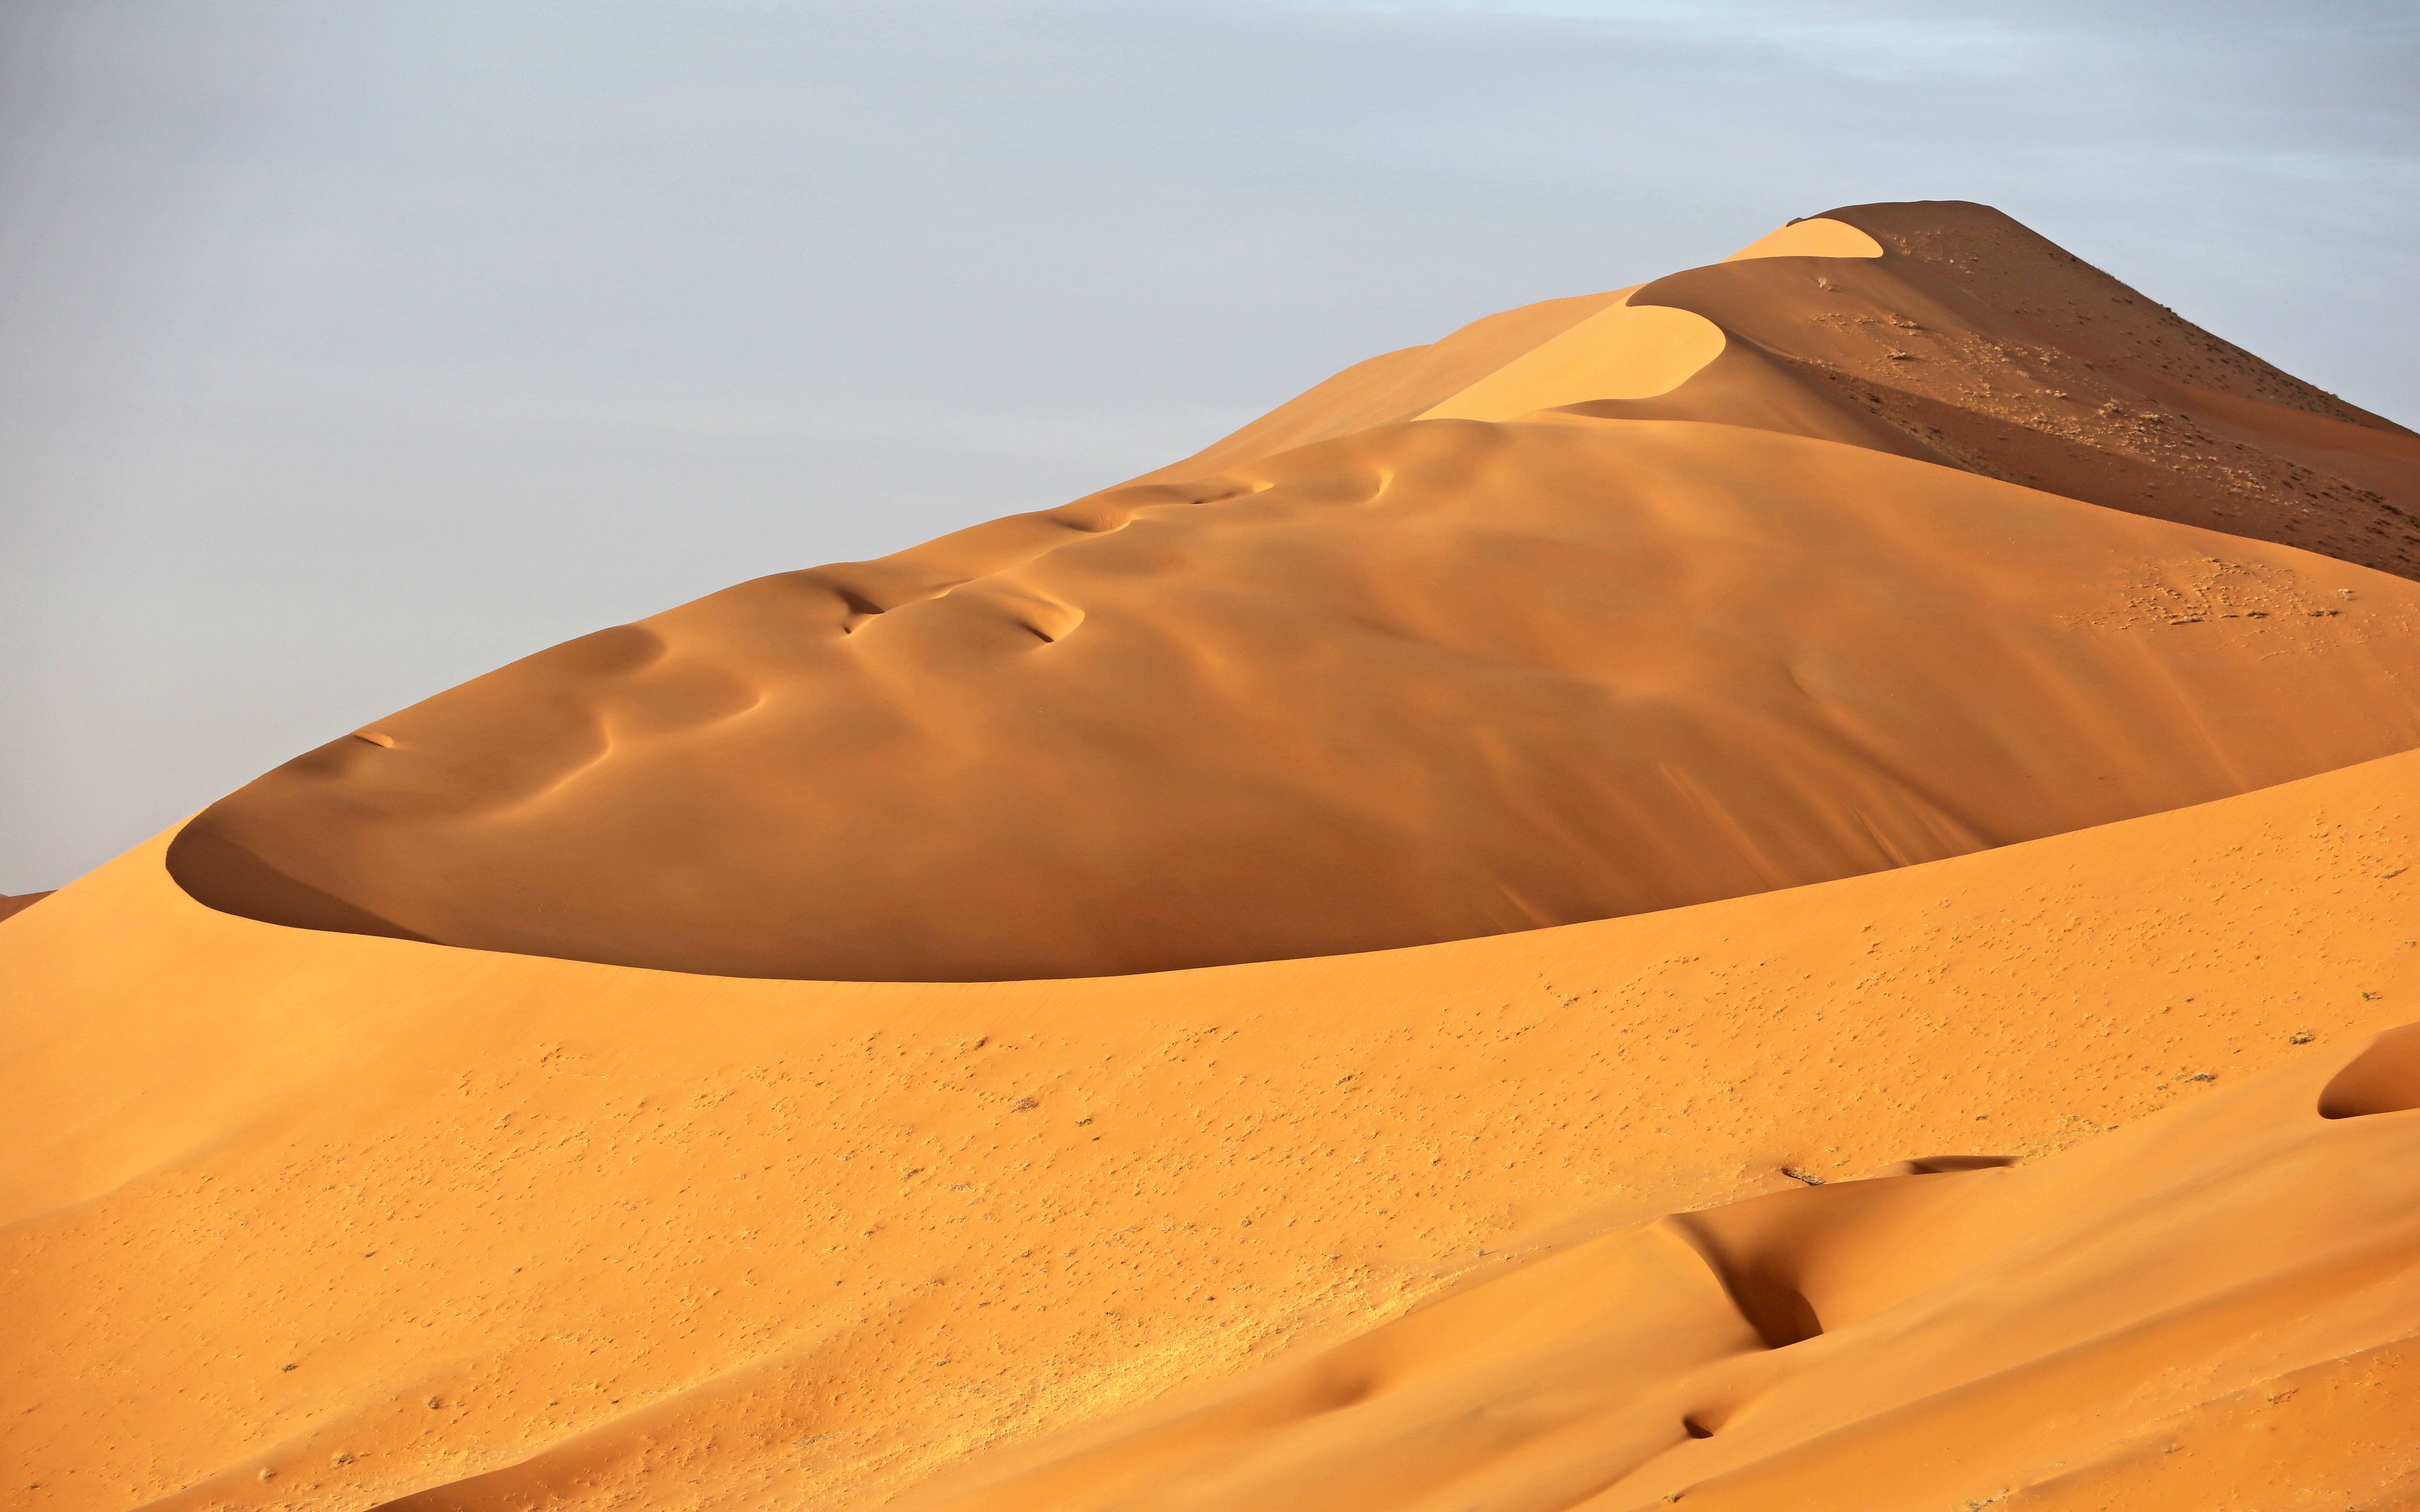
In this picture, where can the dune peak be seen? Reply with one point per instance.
(1788, 887)
(1596, 609)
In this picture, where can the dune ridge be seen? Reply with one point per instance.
(1436, 680)
(1994, 349)
(1729, 946)
(646, 1237)
(1595, 607)
(1949, 331)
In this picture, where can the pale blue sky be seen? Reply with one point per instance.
(347, 351)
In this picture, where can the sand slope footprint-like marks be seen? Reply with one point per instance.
(1441, 679)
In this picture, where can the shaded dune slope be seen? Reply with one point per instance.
(664, 1239)
(1440, 679)
(1949, 331)
(1986, 346)
(1960, 1069)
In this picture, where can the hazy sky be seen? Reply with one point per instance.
(348, 349)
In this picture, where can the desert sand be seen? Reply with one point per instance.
(1694, 943)
(1522, 659)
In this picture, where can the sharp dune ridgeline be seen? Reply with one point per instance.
(1597, 607)
(1791, 886)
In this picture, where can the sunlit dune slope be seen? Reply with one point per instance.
(2234, 1283)
(1945, 1075)
(1435, 680)
(1588, 339)
(1949, 331)
(1487, 634)
(648, 1239)
(1992, 349)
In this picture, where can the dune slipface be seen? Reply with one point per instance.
(1782, 909)
(1522, 659)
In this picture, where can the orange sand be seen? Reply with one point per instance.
(1960, 1335)
(327, 1217)
(768, 1244)
(1444, 680)
(1504, 653)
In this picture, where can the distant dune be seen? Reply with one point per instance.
(1768, 925)
(1491, 641)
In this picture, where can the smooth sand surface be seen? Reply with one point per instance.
(1593, 607)
(1960, 1068)
(1428, 681)
(690, 1240)
(1816, 235)
(1624, 351)
(1954, 1334)
(1393, 386)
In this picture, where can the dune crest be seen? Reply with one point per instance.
(1817, 235)
(1593, 608)
(1763, 919)
(1435, 680)
(647, 1237)
(2023, 1334)
(1624, 351)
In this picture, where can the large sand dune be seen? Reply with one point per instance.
(671, 1240)
(1960, 1068)
(1522, 659)
(1948, 331)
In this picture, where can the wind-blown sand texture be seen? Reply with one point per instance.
(1506, 664)
(1952, 1073)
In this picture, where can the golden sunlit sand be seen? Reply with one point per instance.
(1790, 888)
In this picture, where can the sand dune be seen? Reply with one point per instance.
(1428, 681)
(1491, 643)
(1948, 331)
(1959, 1334)
(1998, 351)
(1877, 983)
(19, 902)
(677, 1239)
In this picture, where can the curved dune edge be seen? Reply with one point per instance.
(1624, 351)
(1389, 387)
(1637, 357)
(1948, 331)
(1975, 343)
(1434, 681)
(1817, 235)
(1425, 681)
(654, 1238)
(302, 1218)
